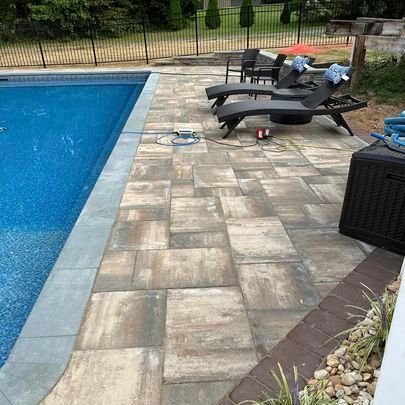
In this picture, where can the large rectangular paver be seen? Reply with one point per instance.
(158, 173)
(277, 286)
(140, 235)
(115, 272)
(199, 240)
(260, 240)
(145, 193)
(207, 335)
(247, 206)
(175, 268)
(328, 255)
(201, 159)
(207, 393)
(271, 326)
(309, 215)
(145, 213)
(121, 376)
(214, 176)
(290, 190)
(196, 215)
(123, 319)
(329, 193)
(249, 160)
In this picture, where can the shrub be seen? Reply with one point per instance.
(285, 16)
(189, 7)
(310, 395)
(374, 331)
(212, 17)
(247, 14)
(383, 79)
(175, 17)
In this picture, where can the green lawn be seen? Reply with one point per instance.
(267, 19)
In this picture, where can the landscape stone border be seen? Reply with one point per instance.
(43, 348)
(307, 345)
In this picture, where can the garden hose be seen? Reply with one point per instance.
(394, 130)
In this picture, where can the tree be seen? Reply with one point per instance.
(175, 17)
(212, 17)
(73, 17)
(189, 7)
(285, 16)
(247, 14)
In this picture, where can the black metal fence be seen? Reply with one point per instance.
(136, 39)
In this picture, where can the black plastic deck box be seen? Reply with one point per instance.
(374, 204)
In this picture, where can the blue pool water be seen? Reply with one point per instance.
(58, 137)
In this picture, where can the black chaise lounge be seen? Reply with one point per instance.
(319, 102)
(222, 92)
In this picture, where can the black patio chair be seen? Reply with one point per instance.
(320, 102)
(267, 72)
(248, 60)
(222, 92)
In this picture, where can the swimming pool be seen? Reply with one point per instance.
(55, 139)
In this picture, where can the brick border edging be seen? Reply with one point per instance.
(315, 335)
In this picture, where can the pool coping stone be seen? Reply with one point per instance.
(45, 344)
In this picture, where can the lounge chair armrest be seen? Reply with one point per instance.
(229, 60)
(269, 65)
(249, 61)
(265, 69)
(257, 73)
(305, 85)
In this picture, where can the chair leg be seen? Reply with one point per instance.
(231, 125)
(219, 101)
(341, 122)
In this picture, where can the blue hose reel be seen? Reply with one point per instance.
(394, 130)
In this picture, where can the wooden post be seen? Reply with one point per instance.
(358, 56)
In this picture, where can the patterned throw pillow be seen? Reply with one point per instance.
(335, 73)
(299, 63)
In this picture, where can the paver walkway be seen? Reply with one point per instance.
(216, 253)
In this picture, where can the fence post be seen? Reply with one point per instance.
(299, 22)
(39, 44)
(92, 44)
(145, 41)
(196, 31)
(248, 28)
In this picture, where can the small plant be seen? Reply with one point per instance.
(175, 17)
(285, 16)
(247, 14)
(310, 395)
(373, 330)
(383, 78)
(212, 17)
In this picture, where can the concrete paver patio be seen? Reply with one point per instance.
(216, 253)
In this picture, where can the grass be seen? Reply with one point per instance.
(340, 53)
(267, 20)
